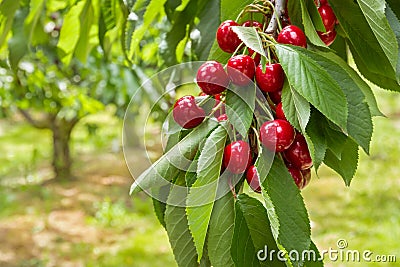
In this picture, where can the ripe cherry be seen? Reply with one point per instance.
(253, 179)
(256, 57)
(327, 37)
(272, 79)
(252, 23)
(298, 154)
(241, 69)
(307, 176)
(279, 112)
(186, 112)
(222, 117)
(237, 157)
(292, 35)
(227, 39)
(328, 17)
(297, 176)
(276, 97)
(212, 78)
(277, 135)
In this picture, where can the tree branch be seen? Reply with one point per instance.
(279, 11)
(40, 124)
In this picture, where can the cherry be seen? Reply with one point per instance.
(276, 97)
(277, 135)
(307, 176)
(292, 35)
(298, 154)
(272, 79)
(241, 69)
(212, 78)
(186, 112)
(222, 117)
(279, 112)
(328, 17)
(237, 157)
(256, 57)
(297, 176)
(327, 37)
(252, 23)
(253, 179)
(227, 39)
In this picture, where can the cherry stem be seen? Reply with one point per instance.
(264, 108)
(204, 100)
(216, 108)
(232, 188)
(278, 11)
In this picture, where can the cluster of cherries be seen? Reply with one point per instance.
(277, 135)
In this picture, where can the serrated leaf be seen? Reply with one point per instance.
(346, 166)
(203, 193)
(166, 167)
(159, 205)
(314, 83)
(291, 229)
(250, 38)
(315, 16)
(314, 260)
(395, 25)
(220, 231)
(179, 235)
(316, 134)
(295, 107)
(240, 103)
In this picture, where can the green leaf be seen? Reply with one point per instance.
(309, 28)
(217, 54)
(178, 157)
(313, 260)
(250, 38)
(395, 25)
(240, 103)
(295, 13)
(179, 235)
(159, 205)
(281, 195)
(317, 136)
(220, 231)
(295, 107)
(7, 12)
(346, 166)
(257, 221)
(315, 16)
(339, 47)
(231, 9)
(203, 193)
(314, 83)
(31, 22)
(17, 45)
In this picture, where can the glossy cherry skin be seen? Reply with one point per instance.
(297, 176)
(237, 157)
(292, 35)
(253, 179)
(307, 176)
(327, 37)
(256, 57)
(276, 97)
(186, 112)
(212, 78)
(279, 112)
(222, 117)
(277, 135)
(241, 69)
(298, 154)
(272, 79)
(328, 17)
(227, 39)
(252, 23)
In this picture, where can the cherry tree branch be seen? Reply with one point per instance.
(40, 124)
(279, 11)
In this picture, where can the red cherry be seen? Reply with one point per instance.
(279, 112)
(227, 39)
(277, 135)
(307, 176)
(272, 79)
(222, 117)
(252, 23)
(328, 17)
(212, 78)
(256, 57)
(241, 69)
(297, 176)
(292, 35)
(298, 154)
(237, 157)
(276, 97)
(253, 180)
(327, 37)
(186, 112)
(218, 97)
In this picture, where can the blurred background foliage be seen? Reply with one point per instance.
(68, 70)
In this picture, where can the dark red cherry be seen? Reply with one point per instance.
(237, 157)
(241, 69)
(222, 117)
(227, 39)
(276, 97)
(328, 17)
(307, 176)
(272, 79)
(279, 112)
(212, 78)
(297, 176)
(292, 35)
(277, 135)
(298, 154)
(186, 112)
(253, 179)
(327, 37)
(256, 57)
(252, 23)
